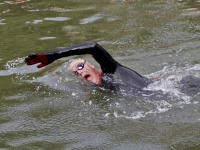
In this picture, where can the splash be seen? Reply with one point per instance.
(59, 78)
(146, 106)
(171, 104)
(14, 63)
(16, 66)
(171, 79)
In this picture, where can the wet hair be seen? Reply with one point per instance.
(73, 62)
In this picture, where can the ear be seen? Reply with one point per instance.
(93, 66)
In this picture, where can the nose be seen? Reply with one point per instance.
(80, 72)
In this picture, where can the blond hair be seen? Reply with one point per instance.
(75, 62)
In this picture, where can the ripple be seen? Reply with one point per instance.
(1, 21)
(57, 19)
(34, 22)
(47, 19)
(91, 19)
(111, 19)
(47, 38)
(190, 12)
(16, 2)
(57, 9)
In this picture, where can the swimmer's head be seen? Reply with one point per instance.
(84, 69)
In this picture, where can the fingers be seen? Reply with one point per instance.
(41, 65)
(30, 59)
(36, 58)
(43, 59)
(32, 63)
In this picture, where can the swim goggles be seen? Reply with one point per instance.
(80, 67)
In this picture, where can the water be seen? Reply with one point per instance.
(50, 108)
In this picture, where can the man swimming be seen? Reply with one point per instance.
(113, 74)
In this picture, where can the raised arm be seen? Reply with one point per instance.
(107, 63)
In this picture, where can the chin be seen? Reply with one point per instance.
(94, 81)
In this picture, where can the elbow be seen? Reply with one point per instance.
(92, 44)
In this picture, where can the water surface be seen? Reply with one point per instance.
(42, 110)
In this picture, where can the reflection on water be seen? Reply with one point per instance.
(57, 19)
(1, 22)
(47, 38)
(91, 19)
(48, 19)
(190, 12)
(34, 21)
(50, 108)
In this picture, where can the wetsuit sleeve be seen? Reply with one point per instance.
(106, 61)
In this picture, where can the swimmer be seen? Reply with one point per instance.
(112, 73)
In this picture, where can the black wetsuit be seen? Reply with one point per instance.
(113, 74)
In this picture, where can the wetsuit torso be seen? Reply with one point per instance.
(113, 73)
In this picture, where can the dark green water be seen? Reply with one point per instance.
(58, 111)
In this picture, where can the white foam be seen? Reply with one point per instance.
(91, 19)
(34, 22)
(16, 66)
(169, 81)
(47, 38)
(57, 19)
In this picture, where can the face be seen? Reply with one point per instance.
(85, 70)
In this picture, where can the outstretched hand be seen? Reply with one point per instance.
(37, 58)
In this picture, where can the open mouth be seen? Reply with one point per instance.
(88, 77)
